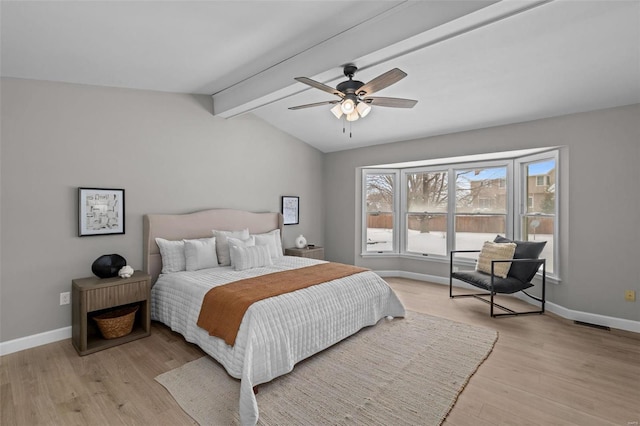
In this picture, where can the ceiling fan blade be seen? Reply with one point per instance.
(320, 86)
(390, 102)
(315, 104)
(382, 81)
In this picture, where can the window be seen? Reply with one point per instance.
(485, 203)
(481, 208)
(537, 220)
(380, 206)
(429, 211)
(427, 197)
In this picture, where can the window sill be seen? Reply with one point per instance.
(379, 254)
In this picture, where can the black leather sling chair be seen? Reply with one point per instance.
(525, 264)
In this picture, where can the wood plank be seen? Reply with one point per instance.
(543, 370)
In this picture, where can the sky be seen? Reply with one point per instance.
(537, 168)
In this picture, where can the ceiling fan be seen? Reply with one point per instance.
(355, 100)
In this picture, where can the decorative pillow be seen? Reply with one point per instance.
(200, 254)
(236, 242)
(495, 251)
(272, 240)
(524, 250)
(172, 253)
(249, 257)
(222, 247)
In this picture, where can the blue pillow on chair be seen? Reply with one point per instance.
(524, 250)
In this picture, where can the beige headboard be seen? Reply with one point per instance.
(198, 225)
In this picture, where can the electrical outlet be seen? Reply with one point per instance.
(630, 295)
(65, 298)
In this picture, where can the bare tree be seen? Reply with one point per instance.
(427, 191)
(379, 192)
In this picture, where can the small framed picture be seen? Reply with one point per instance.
(291, 210)
(100, 211)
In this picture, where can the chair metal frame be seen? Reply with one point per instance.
(492, 293)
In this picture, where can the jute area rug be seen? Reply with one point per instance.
(399, 372)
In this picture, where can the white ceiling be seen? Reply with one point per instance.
(470, 64)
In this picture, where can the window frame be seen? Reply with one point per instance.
(396, 199)
(404, 213)
(451, 170)
(488, 164)
(521, 201)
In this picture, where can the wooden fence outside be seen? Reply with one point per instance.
(471, 223)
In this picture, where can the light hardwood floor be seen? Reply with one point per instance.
(544, 370)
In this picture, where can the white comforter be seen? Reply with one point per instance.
(278, 332)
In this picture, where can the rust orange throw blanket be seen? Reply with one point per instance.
(223, 307)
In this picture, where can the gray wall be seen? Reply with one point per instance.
(600, 181)
(171, 155)
(166, 150)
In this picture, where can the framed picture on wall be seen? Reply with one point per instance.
(291, 210)
(100, 211)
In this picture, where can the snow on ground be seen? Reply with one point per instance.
(436, 242)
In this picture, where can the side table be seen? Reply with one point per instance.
(92, 296)
(312, 253)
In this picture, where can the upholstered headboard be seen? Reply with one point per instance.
(198, 225)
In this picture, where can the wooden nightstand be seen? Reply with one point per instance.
(91, 296)
(312, 253)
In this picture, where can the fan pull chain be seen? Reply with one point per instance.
(344, 127)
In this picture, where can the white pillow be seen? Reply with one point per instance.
(272, 240)
(200, 254)
(249, 257)
(236, 242)
(172, 253)
(222, 247)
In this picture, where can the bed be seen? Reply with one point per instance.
(275, 333)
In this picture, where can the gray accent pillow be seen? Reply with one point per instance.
(524, 250)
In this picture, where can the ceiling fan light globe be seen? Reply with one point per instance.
(363, 109)
(337, 110)
(348, 106)
(352, 116)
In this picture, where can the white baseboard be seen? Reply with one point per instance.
(612, 322)
(27, 342)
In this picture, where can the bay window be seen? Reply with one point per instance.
(429, 211)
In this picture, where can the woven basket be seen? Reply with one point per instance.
(116, 323)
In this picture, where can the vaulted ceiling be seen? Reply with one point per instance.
(470, 64)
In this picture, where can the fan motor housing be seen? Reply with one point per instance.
(349, 86)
